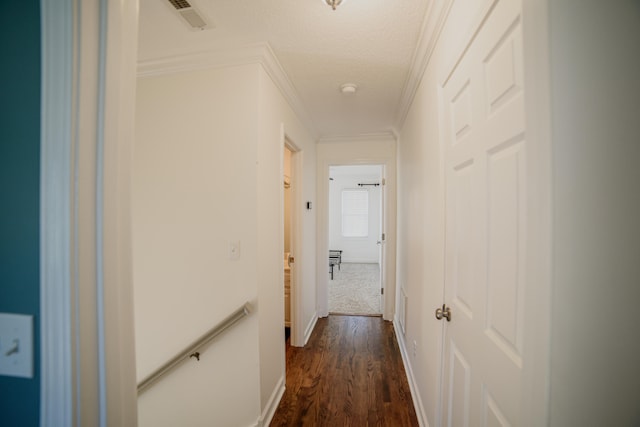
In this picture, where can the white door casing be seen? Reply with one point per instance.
(382, 237)
(362, 150)
(295, 241)
(87, 358)
(486, 174)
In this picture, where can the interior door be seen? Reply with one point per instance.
(382, 239)
(485, 157)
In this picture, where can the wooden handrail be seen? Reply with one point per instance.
(192, 349)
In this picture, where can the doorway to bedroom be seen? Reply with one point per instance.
(356, 194)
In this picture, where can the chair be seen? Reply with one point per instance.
(335, 258)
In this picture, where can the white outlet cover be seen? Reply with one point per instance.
(16, 345)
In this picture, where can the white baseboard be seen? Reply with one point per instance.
(310, 326)
(413, 386)
(359, 260)
(272, 405)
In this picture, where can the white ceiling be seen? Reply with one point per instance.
(367, 42)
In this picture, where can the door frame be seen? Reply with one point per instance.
(380, 209)
(378, 149)
(87, 369)
(382, 235)
(297, 331)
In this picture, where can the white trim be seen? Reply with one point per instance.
(297, 335)
(259, 53)
(429, 36)
(359, 261)
(250, 54)
(365, 137)
(82, 380)
(99, 221)
(56, 354)
(310, 327)
(270, 409)
(119, 129)
(413, 382)
(343, 154)
(537, 373)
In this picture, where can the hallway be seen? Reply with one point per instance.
(141, 172)
(349, 374)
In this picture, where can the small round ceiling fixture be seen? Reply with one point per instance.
(349, 88)
(333, 3)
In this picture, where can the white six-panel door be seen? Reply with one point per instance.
(482, 97)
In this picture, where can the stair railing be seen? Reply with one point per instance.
(192, 350)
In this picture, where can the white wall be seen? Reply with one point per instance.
(194, 191)
(275, 120)
(208, 164)
(595, 374)
(421, 241)
(354, 249)
(421, 216)
(421, 209)
(363, 150)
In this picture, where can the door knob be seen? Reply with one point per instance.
(443, 312)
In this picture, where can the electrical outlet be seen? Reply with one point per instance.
(16, 345)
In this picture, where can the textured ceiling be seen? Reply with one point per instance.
(366, 42)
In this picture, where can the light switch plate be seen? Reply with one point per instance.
(234, 250)
(16, 345)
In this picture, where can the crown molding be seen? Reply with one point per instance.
(429, 35)
(365, 137)
(259, 53)
(280, 78)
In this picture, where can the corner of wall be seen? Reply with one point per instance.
(310, 326)
(270, 409)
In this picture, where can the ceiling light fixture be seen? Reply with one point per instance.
(348, 88)
(333, 3)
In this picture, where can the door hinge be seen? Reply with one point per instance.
(383, 237)
(384, 181)
(382, 291)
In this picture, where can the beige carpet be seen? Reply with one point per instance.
(355, 289)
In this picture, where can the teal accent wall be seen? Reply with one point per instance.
(20, 193)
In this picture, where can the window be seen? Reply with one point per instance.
(355, 213)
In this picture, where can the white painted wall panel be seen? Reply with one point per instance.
(208, 171)
(421, 205)
(194, 191)
(474, 101)
(277, 116)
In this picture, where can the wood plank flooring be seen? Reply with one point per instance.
(349, 374)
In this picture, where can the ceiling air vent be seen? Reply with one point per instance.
(190, 15)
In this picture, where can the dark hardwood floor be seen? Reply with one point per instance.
(349, 374)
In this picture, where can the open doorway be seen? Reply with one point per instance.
(292, 239)
(355, 239)
(287, 240)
